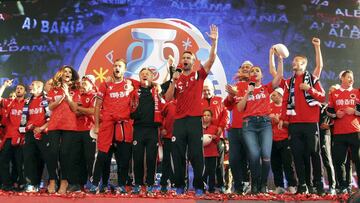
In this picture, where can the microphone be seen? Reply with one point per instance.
(179, 68)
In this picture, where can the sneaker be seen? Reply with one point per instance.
(254, 190)
(31, 188)
(180, 191)
(136, 190)
(199, 192)
(320, 191)
(332, 191)
(222, 190)
(279, 190)
(264, 189)
(302, 189)
(246, 188)
(94, 189)
(291, 189)
(163, 189)
(74, 188)
(104, 189)
(120, 190)
(7, 188)
(150, 189)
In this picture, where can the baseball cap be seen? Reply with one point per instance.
(280, 91)
(246, 63)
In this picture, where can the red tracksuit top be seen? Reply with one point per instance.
(220, 113)
(230, 104)
(304, 112)
(211, 150)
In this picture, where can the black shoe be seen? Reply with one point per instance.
(74, 188)
(264, 189)
(254, 190)
(320, 191)
(302, 189)
(239, 191)
(7, 188)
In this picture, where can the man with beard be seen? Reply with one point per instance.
(187, 89)
(12, 141)
(113, 103)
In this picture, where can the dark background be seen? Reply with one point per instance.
(30, 49)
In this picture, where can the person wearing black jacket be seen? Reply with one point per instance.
(147, 119)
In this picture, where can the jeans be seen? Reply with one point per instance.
(258, 139)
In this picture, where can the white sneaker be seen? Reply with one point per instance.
(292, 189)
(279, 190)
(31, 188)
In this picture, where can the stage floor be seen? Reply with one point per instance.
(21, 197)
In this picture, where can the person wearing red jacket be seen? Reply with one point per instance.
(147, 119)
(34, 124)
(13, 139)
(220, 119)
(86, 144)
(113, 125)
(63, 99)
(301, 104)
(168, 113)
(210, 151)
(281, 158)
(187, 89)
(238, 160)
(343, 107)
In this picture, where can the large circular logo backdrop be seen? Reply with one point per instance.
(148, 43)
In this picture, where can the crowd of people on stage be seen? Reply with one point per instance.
(72, 128)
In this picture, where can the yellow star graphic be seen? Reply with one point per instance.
(101, 74)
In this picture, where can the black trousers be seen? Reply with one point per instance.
(61, 146)
(305, 143)
(122, 151)
(145, 145)
(238, 159)
(220, 170)
(166, 169)
(84, 148)
(282, 162)
(33, 152)
(342, 143)
(210, 170)
(188, 135)
(11, 164)
(326, 155)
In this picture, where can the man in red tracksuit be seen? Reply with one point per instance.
(301, 103)
(238, 160)
(220, 119)
(166, 133)
(34, 125)
(12, 140)
(114, 102)
(187, 89)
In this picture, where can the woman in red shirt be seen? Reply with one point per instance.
(63, 98)
(257, 130)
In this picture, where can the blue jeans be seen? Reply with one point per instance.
(257, 132)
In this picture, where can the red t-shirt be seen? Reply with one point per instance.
(259, 102)
(86, 122)
(116, 99)
(220, 116)
(62, 117)
(340, 99)
(278, 134)
(37, 112)
(230, 104)
(304, 112)
(14, 117)
(168, 113)
(211, 150)
(188, 94)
